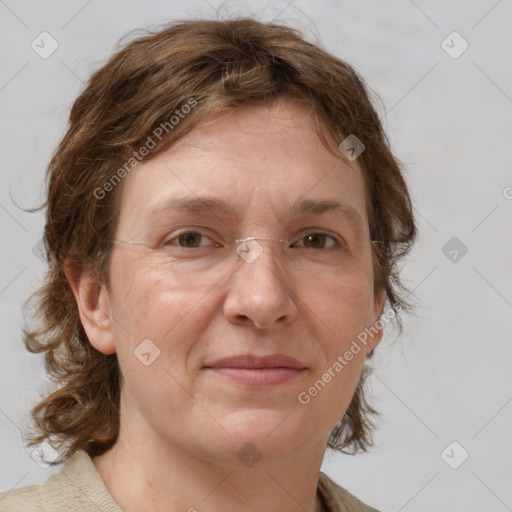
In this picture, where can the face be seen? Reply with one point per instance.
(307, 298)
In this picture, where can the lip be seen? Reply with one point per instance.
(252, 361)
(253, 371)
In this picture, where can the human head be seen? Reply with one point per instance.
(152, 93)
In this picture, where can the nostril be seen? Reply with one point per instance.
(245, 319)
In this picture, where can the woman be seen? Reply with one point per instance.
(223, 224)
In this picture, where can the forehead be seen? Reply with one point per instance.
(256, 161)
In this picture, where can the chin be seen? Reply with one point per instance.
(261, 434)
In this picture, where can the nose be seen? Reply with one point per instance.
(260, 291)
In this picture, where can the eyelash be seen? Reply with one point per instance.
(168, 242)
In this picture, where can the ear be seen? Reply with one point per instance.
(375, 328)
(93, 303)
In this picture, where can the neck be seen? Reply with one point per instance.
(158, 476)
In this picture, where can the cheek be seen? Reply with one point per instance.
(342, 304)
(146, 306)
(338, 314)
(147, 300)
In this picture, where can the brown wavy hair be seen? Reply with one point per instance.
(220, 66)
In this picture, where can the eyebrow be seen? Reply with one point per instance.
(318, 206)
(305, 206)
(194, 205)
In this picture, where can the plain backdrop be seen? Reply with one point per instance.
(447, 110)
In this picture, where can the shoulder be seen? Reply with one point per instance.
(76, 487)
(337, 499)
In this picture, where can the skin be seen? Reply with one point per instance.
(181, 427)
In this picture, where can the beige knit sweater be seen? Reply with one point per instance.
(78, 487)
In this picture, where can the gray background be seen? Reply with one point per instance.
(449, 120)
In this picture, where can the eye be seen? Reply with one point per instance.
(189, 240)
(318, 241)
